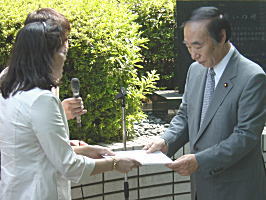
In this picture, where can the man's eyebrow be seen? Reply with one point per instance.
(193, 43)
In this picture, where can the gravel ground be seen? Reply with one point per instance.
(152, 126)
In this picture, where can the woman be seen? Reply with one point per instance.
(37, 160)
(72, 106)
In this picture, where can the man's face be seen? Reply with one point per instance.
(201, 46)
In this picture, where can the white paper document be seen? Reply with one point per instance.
(145, 158)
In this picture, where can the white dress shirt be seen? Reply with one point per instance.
(37, 162)
(220, 67)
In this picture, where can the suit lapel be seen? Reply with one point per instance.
(223, 88)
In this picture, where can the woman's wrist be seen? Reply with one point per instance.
(114, 163)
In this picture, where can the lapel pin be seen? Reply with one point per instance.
(225, 85)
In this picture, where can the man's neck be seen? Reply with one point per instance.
(224, 50)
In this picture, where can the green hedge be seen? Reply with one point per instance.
(105, 44)
(157, 20)
(112, 44)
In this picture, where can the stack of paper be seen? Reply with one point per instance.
(145, 158)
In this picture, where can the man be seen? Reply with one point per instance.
(222, 115)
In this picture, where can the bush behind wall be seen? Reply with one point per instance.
(104, 54)
(157, 20)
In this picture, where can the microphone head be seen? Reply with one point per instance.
(123, 91)
(75, 86)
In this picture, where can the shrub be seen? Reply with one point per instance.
(157, 20)
(104, 54)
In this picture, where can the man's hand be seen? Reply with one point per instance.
(73, 107)
(185, 165)
(156, 145)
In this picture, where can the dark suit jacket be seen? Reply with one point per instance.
(228, 143)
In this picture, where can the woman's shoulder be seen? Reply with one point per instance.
(35, 94)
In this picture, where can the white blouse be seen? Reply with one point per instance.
(37, 162)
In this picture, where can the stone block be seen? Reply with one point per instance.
(121, 195)
(118, 185)
(116, 175)
(263, 143)
(183, 197)
(76, 193)
(179, 178)
(95, 189)
(181, 187)
(150, 169)
(91, 179)
(155, 179)
(156, 191)
(178, 154)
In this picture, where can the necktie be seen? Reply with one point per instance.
(208, 93)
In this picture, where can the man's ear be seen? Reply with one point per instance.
(223, 36)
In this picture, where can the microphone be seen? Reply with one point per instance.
(122, 93)
(75, 86)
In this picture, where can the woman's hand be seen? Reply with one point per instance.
(73, 107)
(93, 151)
(78, 143)
(125, 165)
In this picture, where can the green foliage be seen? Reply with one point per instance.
(157, 21)
(105, 50)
